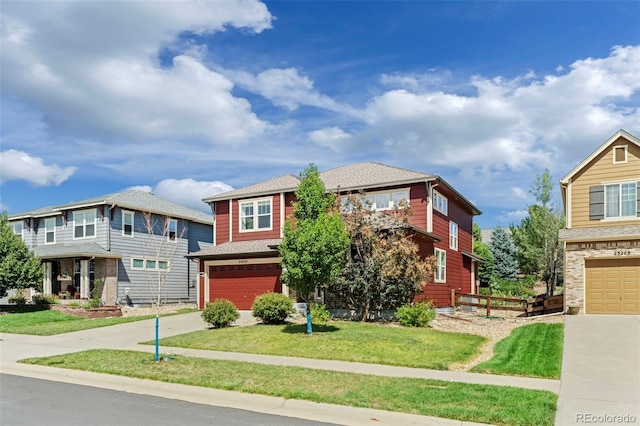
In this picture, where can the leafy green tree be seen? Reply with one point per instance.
(485, 269)
(383, 269)
(19, 267)
(505, 255)
(314, 239)
(539, 250)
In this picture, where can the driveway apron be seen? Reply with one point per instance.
(600, 381)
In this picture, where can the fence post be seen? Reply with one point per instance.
(453, 298)
(488, 305)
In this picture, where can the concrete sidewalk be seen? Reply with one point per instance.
(600, 380)
(127, 336)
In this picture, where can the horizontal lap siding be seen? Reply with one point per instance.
(418, 196)
(222, 222)
(601, 170)
(274, 232)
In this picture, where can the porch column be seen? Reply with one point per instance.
(85, 288)
(46, 279)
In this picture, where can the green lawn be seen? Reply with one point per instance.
(533, 350)
(49, 322)
(466, 402)
(340, 340)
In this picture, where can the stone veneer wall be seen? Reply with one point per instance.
(574, 265)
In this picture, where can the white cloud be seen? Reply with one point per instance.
(514, 216)
(333, 138)
(187, 192)
(18, 165)
(520, 193)
(525, 122)
(93, 68)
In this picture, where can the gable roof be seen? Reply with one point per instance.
(132, 199)
(346, 178)
(620, 133)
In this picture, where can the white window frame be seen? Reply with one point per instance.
(626, 154)
(632, 200)
(453, 235)
(132, 214)
(440, 274)
(15, 226)
(440, 203)
(172, 230)
(389, 197)
(157, 264)
(85, 223)
(52, 221)
(255, 216)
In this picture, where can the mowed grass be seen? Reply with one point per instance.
(532, 350)
(465, 402)
(340, 340)
(50, 322)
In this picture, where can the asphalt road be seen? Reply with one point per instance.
(33, 402)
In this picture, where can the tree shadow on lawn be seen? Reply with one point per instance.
(302, 328)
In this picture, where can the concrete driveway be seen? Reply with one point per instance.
(600, 381)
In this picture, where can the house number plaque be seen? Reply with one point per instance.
(622, 252)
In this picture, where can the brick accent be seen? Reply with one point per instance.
(574, 264)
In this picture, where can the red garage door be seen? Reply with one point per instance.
(242, 283)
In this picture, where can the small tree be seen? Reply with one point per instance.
(539, 250)
(383, 269)
(505, 254)
(485, 269)
(314, 240)
(163, 238)
(19, 267)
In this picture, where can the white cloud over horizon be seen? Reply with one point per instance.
(187, 192)
(18, 165)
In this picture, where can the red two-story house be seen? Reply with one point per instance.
(248, 224)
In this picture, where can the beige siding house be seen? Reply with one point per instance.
(601, 199)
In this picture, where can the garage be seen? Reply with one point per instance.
(612, 286)
(242, 283)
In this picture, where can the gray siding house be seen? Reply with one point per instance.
(129, 240)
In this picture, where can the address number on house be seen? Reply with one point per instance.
(622, 253)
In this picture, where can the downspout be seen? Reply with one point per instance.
(113, 206)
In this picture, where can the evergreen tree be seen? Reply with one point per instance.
(19, 267)
(505, 255)
(485, 269)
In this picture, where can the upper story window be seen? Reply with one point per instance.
(255, 215)
(619, 154)
(380, 200)
(84, 224)
(50, 231)
(440, 202)
(620, 200)
(127, 223)
(17, 229)
(453, 235)
(172, 231)
(441, 266)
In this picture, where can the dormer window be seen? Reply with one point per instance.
(619, 154)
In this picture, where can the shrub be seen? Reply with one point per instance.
(96, 294)
(319, 313)
(220, 313)
(44, 299)
(505, 288)
(18, 299)
(416, 315)
(272, 308)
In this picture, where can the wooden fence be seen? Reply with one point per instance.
(538, 305)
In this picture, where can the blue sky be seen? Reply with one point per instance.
(187, 99)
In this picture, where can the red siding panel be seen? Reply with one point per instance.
(241, 284)
(222, 222)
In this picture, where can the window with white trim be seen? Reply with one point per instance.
(84, 224)
(255, 215)
(619, 154)
(620, 200)
(149, 264)
(172, 231)
(441, 266)
(127, 223)
(50, 231)
(440, 202)
(18, 229)
(453, 235)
